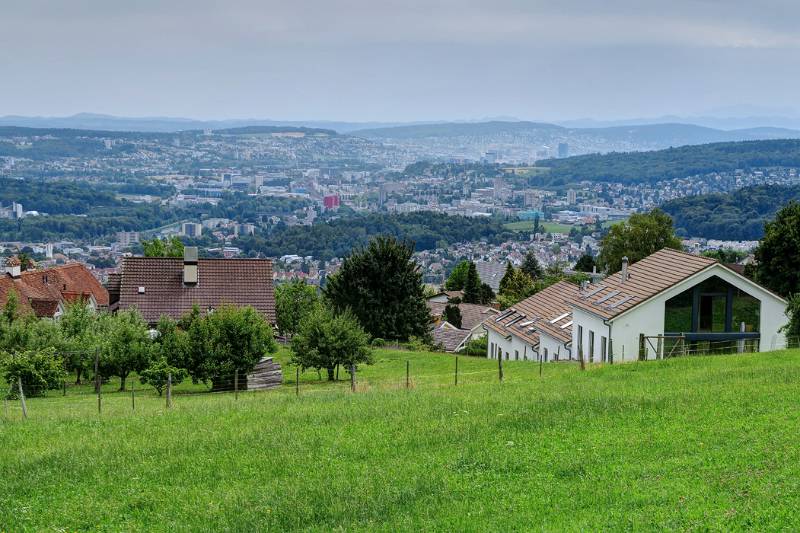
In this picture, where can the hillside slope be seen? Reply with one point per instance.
(699, 443)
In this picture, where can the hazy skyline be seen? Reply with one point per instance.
(362, 60)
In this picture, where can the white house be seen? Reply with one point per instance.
(687, 300)
(539, 326)
(667, 303)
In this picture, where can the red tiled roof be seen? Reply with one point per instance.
(239, 282)
(42, 290)
(539, 313)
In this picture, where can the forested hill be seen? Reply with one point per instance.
(637, 167)
(739, 215)
(338, 237)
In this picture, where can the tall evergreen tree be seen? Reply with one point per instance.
(531, 266)
(506, 277)
(382, 286)
(472, 286)
(452, 314)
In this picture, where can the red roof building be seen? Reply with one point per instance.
(46, 292)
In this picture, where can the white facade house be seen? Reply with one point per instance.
(669, 303)
(674, 302)
(537, 327)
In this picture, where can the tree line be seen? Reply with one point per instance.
(672, 163)
(737, 216)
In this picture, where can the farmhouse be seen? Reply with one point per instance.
(166, 286)
(46, 292)
(666, 304)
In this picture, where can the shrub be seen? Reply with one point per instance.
(378, 342)
(40, 370)
(157, 375)
(477, 347)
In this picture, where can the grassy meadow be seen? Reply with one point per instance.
(704, 443)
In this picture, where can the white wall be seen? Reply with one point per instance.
(648, 317)
(590, 322)
(553, 347)
(511, 347)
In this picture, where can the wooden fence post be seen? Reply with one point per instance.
(456, 377)
(580, 357)
(22, 399)
(500, 366)
(97, 383)
(642, 348)
(236, 384)
(133, 398)
(659, 348)
(352, 378)
(297, 382)
(169, 390)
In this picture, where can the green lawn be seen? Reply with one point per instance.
(696, 443)
(548, 227)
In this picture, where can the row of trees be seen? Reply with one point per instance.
(205, 347)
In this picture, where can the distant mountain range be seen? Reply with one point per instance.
(96, 122)
(517, 140)
(663, 134)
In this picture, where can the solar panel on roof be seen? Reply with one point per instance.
(560, 317)
(516, 319)
(526, 323)
(620, 302)
(568, 324)
(505, 315)
(607, 296)
(598, 289)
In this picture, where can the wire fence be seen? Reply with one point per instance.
(85, 390)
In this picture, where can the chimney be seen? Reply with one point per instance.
(190, 265)
(13, 267)
(624, 271)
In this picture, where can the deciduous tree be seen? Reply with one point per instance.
(636, 238)
(325, 340)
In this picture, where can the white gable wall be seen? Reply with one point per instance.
(648, 317)
(511, 346)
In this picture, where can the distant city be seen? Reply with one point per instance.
(326, 175)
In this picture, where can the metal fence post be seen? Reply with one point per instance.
(22, 399)
(456, 379)
(97, 383)
(408, 375)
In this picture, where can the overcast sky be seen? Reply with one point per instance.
(399, 60)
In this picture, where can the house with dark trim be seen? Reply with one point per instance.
(668, 303)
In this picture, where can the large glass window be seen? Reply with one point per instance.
(712, 306)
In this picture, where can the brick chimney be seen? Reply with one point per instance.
(190, 274)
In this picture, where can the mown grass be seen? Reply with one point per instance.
(547, 227)
(695, 443)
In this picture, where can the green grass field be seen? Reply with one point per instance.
(706, 443)
(548, 227)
